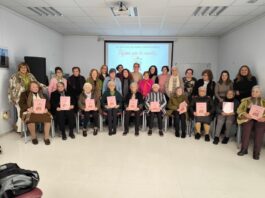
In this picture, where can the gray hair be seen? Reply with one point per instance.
(87, 84)
(257, 87)
(111, 82)
(155, 85)
(133, 84)
(202, 88)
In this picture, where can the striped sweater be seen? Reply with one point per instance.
(156, 97)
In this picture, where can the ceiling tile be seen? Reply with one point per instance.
(32, 3)
(86, 3)
(176, 19)
(103, 19)
(151, 19)
(97, 11)
(245, 3)
(216, 2)
(61, 3)
(67, 11)
(200, 19)
(147, 11)
(238, 10)
(181, 11)
(184, 2)
(9, 3)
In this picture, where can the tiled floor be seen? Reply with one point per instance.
(134, 167)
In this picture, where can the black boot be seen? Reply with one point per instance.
(197, 136)
(84, 133)
(225, 140)
(35, 141)
(242, 152)
(207, 138)
(95, 132)
(64, 136)
(256, 156)
(161, 133)
(136, 133)
(72, 135)
(177, 133)
(150, 132)
(216, 140)
(125, 132)
(183, 135)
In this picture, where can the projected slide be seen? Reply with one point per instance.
(146, 54)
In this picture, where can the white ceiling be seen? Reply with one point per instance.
(156, 17)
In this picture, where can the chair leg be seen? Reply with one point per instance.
(239, 136)
(100, 123)
(24, 130)
(166, 121)
(52, 128)
(77, 122)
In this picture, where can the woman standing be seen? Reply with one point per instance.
(207, 82)
(189, 82)
(126, 80)
(57, 78)
(103, 72)
(145, 85)
(153, 73)
(173, 81)
(18, 83)
(244, 82)
(250, 124)
(162, 79)
(96, 83)
(222, 86)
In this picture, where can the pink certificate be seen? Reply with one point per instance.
(201, 108)
(65, 103)
(228, 107)
(256, 112)
(90, 104)
(182, 107)
(154, 106)
(39, 106)
(133, 103)
(111, 101)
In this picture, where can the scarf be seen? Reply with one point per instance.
(173, 83)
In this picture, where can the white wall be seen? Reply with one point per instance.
(245, 45)
(24, 37)
(88, 51)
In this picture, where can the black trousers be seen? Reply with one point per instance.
(151, 119)
(112, 115)
(62, 116)
(127, 120)
(179, 118)
(95, 116)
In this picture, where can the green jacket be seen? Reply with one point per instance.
(244, 107)
(173, 103)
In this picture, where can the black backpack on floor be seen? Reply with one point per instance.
(15, 181)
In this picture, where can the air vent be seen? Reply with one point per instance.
(45, 11)
(209, 11)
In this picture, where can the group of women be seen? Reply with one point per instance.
(116, 90)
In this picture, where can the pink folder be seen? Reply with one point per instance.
(154, 106)
(182, 107)
(133, 104)
(201, 108)
(90, 104)
(256, 112)
(228, 107)
(111, 101)
(39, 106)
(65, 103)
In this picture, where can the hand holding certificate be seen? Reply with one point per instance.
(182, 107)
(111, 100)
(65, 103)
(39, 106)
(201, 109)
(155, 107)
(90, 105)
(256, 112)
(133, 105)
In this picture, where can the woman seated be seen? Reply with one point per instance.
(111, 102)
(90, 105)
(62, 107)
(145, 85)
(155, 104)
(133, 105)
(202, 108)
(32, 113)
(226, 114)
(177, 106)
(251, 117)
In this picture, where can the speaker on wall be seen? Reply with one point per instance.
(37, 67)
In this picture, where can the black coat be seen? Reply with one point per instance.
(210, 88)
(55, 100)
(139, 97)
(75, 89)
(244, 86)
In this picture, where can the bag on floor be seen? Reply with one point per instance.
(15, 181)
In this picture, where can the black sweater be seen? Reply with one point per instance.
(55, 100)
(138, 96)
(210, 88)
(244, 86)
(206, 99)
